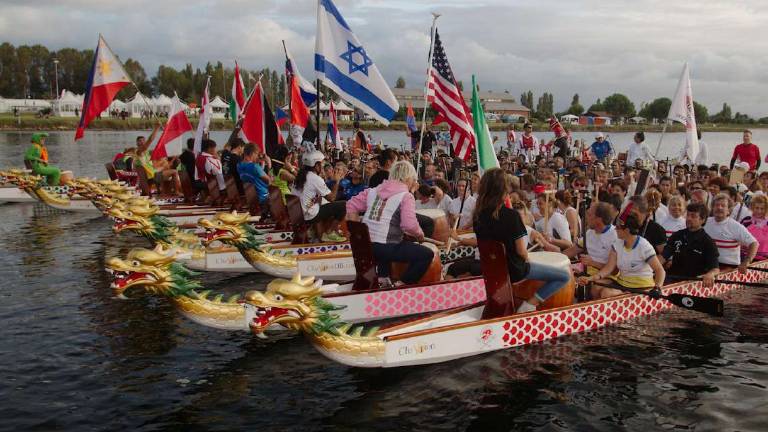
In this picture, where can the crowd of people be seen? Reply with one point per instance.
(631, 221)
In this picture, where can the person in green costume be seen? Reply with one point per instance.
(37, 156)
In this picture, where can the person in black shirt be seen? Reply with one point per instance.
(650, 230)
(692, 252)
(494, 221)
(229, 160)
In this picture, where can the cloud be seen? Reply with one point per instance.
(590, 47)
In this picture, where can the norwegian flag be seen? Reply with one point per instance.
(444, 95)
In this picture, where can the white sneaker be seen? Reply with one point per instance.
(526, 307)
(385, 282)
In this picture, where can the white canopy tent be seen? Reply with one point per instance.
(138, 105)
(68, 105)
(569, 119)
(218, 107)
(162, 104)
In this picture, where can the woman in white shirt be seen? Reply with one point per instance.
(314, 196)
(565, 207)
(675, 220)
(633, 256)
(553, 224)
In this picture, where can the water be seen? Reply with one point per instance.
(73, 358)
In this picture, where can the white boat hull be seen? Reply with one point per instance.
(14, 195)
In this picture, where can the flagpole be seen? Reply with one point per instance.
(288, 89)
(317, 118)
(661, 138)
(435, 16)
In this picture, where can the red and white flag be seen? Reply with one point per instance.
(238, 95)
(177, 125)
(299, 113)
(253, 127)
(106, 79)
(446, 98)
(205, 118)
(681, 111)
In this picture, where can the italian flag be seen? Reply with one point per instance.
(486, 156)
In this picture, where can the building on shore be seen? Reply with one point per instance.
(496, 105)
(23, 105)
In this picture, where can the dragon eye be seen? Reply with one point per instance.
(278, 297)
(129, 213)
(218, 222)
(135, 263)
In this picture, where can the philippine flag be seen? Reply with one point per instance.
(344, 65)
(106, 79)
(177, 125)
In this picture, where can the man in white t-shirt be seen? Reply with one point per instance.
(729, 235)
(465, 219)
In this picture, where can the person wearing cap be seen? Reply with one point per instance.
(601, 148)
(528, 144)
(37, 156)
(314, 196)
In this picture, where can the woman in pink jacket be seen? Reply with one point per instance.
(390, 212)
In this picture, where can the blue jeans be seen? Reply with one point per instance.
(554, 278)
(417, 256)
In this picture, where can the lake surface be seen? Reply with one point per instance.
(74, 358)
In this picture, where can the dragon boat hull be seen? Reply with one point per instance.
(12, 194)
(463, 333)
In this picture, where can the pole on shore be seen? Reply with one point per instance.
(661, 138)
(317, 117)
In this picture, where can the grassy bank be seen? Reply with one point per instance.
(31, 122)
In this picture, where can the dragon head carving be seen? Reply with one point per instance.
(230, 228)
(140, 215)
(296, 304)
(154, 270)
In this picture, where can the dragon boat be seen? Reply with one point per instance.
(157, 272)
(9, 192)
(479, 328)
(330, 261)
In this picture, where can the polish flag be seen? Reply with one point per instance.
(177, 125)
(106, 79)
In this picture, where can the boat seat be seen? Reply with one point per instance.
(111, 171)
(277, 208)
(499, 293)
(296, 217)
(27, 164)
(233, 194)
(143, 181)
(187, 188)
(251, 199)
(214, 193)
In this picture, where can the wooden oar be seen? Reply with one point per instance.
(711, 306)
(433, 241)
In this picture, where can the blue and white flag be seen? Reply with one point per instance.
(343, 65)
(308, 91)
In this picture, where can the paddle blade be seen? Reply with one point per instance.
(712, 306)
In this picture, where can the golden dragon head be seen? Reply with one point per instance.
(229, 228)
(151, 269)
(296, 304)
(134, 214)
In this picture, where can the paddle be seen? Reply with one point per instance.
(711, 306)
(723, 281)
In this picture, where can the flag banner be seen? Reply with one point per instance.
(308, 91)
(237, 103)
(410, 119)
(281, 117)
(342, 64)
(177, 125)
(300, 115)
(253, 126)
(106, 79)
(206, 111)
(445, 96)
(681, 111)
(486, 156)
(333, 127)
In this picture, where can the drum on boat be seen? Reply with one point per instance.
(442, 231)
(526, 288)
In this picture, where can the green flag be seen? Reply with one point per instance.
(486, 156)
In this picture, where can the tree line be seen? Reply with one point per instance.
(30, 72)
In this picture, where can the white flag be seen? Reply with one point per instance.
(682, 111)
(205, 118)
(343, 65)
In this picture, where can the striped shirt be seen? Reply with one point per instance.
(728, 236)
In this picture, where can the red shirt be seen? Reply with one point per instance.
(749, 153)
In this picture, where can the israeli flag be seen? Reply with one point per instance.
(343, 65)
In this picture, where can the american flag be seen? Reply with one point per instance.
(444, 95)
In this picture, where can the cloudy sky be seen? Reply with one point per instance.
(593, 48)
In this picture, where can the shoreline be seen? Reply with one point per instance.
(32, 123)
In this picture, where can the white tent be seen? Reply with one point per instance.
(569, 119)
(162, 104)
(638, 120)
(218, 107)
(138, 105)
(340, 106)
(68, 105)
(117, 104)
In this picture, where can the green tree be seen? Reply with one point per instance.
(701, 113)
(597, 106)
(576, 108)
(724, 116)
(545, 105)
(619, 105)
(658, 109)
(400, 83)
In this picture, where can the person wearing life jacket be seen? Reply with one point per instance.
(37, 156)
(390, 212)
(528, 144)
(729, 235)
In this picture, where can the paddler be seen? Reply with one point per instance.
(390, 212)
(729, 235)
(599, 238)
(37, 156)
(690, 252)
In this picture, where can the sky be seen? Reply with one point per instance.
(593, 48)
